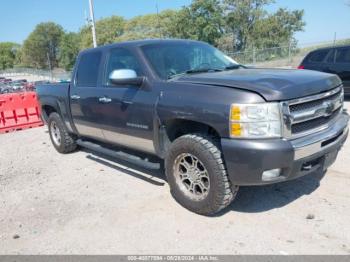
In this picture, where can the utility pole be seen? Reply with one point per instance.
(92, 21)
(158, 22)
(49, 59)
(290, 51)
(49, 64)
(254, 55)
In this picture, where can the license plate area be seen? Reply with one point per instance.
(312, 165)
(329, 159)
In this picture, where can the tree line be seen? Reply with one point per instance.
(230, 25)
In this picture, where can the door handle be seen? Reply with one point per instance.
(105, 100)
(75, 97)
(127, 102)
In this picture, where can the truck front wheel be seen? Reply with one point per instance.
(197, 175)
(61, 139)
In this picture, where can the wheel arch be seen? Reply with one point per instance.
(179, 127)
(47, 110)
(59, 108)
(174, 128)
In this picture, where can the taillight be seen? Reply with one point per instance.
(301, 67)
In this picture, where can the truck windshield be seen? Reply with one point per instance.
(172, 59)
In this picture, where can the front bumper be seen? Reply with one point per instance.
(246, 160)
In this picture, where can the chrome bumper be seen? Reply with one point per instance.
(317, 142)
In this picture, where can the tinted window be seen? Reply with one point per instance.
(121, 58)
(87, 74)
(318, 56)
(331, 56)
(343, 55)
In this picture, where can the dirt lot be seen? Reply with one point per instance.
(83, 204)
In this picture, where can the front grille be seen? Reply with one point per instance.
(311, 104)
(314, 123)
(307, 114)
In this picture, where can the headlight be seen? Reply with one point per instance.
(255, 120)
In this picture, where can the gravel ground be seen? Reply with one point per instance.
(84, 204)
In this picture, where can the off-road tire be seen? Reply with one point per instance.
(68, 141)
(221, 192)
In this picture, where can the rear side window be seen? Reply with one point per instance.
(343, 55)
(88, 69)
(318, 56)
(331, 56)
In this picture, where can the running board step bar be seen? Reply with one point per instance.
(118, 154)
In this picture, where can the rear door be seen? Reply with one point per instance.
(87, 112)
(341, 67)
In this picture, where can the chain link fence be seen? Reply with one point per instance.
(32, 74)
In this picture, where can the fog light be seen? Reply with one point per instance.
(271, 174)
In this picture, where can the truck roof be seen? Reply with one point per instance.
(141, 43)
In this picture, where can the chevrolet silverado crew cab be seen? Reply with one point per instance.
(217, 125)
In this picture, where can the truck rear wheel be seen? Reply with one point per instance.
(60, 137)
(197, 175)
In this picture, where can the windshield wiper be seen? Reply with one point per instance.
(203, 70)
(234, 66)
(195, 71)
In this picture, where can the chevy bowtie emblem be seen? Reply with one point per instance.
(328, 108)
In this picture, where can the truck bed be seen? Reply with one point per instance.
(55, 95)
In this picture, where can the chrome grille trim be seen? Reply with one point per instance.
(315, 97)
(316, 111)
(326, 108)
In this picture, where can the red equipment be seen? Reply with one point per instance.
(19, 111)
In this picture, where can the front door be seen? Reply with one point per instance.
(128, 110)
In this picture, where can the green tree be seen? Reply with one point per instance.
(251, 25)
(224, 43)
(142, 27)
(8, 54)
(149, 26)
(277, 29)
(232, 25)
(68, 50)
(107, 31)
(19, 55)
(41, 45)
(202, 20)
(241, 17)
(167, 18)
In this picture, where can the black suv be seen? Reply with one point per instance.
(335, 60)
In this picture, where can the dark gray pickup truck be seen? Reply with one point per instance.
(217, 125)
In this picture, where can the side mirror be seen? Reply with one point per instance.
(125, 77)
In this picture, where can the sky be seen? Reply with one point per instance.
(18, 18)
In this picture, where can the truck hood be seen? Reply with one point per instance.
(271, 84)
